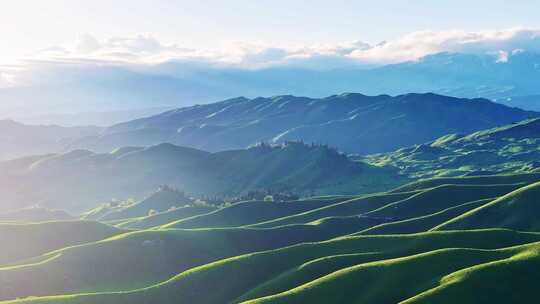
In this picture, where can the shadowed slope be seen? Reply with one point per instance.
(22, 241)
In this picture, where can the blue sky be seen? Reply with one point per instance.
(28, 26)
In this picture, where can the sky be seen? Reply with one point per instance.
(31, 26)
(91, 44)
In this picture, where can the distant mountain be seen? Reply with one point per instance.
(507, 149)
(93, 118)
(353, 123)
(18, 139)
(460, 75)
(77, 181)
(174, 84)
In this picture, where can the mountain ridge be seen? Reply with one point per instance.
(351, 122)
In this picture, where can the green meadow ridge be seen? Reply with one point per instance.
(426, 242)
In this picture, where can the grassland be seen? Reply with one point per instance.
(432, 241)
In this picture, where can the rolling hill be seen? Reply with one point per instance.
(353, 123)
(419, 242)
(361, 258)
(79, 180)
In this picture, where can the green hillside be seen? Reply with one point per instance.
(517, 273)
(396, 280)
(163, 218)
(383, 208)
(162, 200)
(349, 207)
(523, 178)
(423, 223)
(516, 210)
(276, 266)
(507, 149)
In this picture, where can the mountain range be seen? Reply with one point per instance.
(22, 140)
(353, 123)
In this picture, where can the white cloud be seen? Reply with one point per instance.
(420, 44)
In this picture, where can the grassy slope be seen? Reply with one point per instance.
(252, 270)
(346, 208)
(506, 149)
(526, 178)
(423, 223)
(163, 218)
(517, 282)
(138, 259)
(250, 212)
(516, 210)
(439, 198)
(23, 241)
(399, 206)
(159, 201)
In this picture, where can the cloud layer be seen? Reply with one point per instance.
(146, 49)
(143, 50)
(420, 44)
